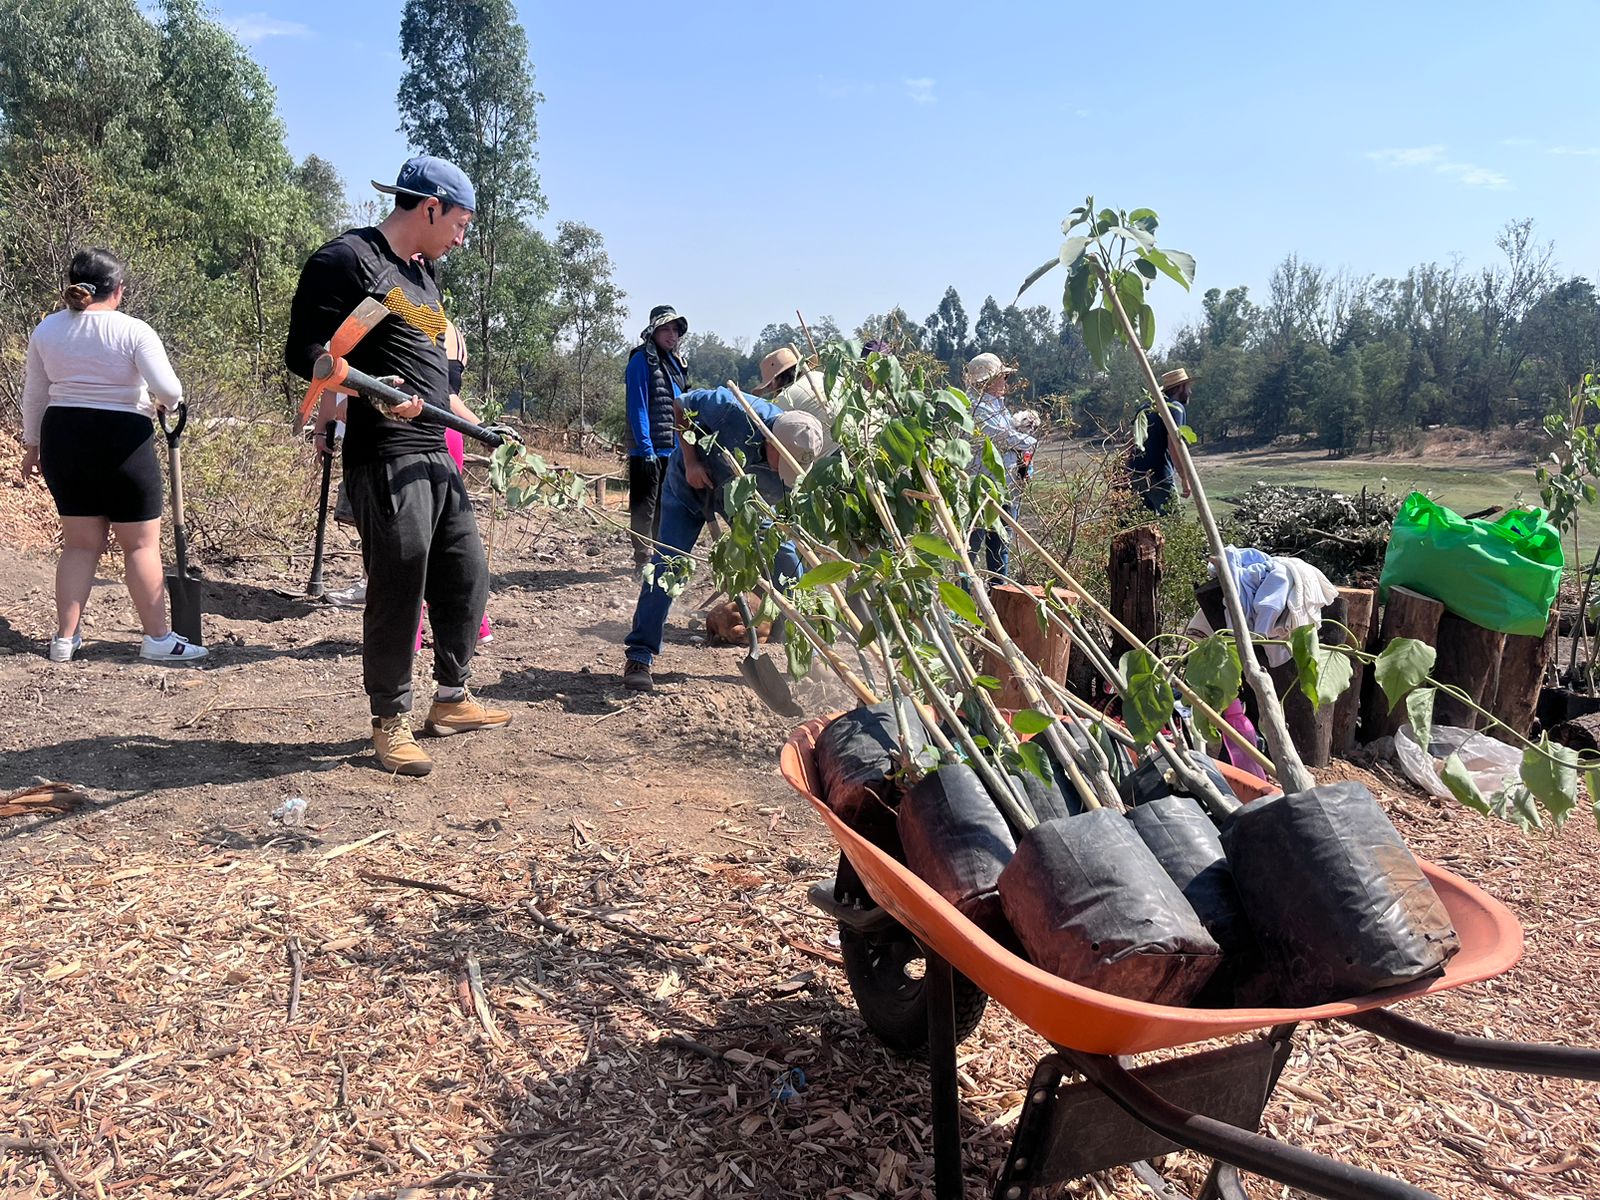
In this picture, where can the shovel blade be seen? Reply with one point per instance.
(770, 684)
(186, 604)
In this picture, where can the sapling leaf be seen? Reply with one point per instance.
(1214, 671)
(1188, 435)
(929, 543)
(799, 651)
(1550, 773)
(1304, 644)
(1030, 721)
(1072, 250)
(1032, 758)
(958, 602)
(1099, 334)
(826, 573)
(1141, 428)
(1591, 780)
(1145, 317)
(1035, 275)
(1148, 705)
(1334, 673)
(1455, 776)
(1404, 663)
(1419, 709)
(987, 682)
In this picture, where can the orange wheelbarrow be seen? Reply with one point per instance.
(1209, 1101)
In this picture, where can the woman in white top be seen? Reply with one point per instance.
(86, 423)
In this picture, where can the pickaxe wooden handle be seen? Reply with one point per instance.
(333, 371)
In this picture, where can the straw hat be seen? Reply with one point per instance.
(985, 367)
(801, 435)
(1173, 378)
(774, 365)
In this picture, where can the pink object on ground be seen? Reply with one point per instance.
(1234, 716)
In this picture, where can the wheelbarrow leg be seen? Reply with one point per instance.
(1222, 1181)
(939, 982)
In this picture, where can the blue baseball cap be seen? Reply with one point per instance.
(427, 176)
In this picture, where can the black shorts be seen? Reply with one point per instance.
(100, 463)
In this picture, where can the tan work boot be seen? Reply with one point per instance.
(396, 747)
(465, 715)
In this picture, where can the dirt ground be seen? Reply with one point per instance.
(577, 960)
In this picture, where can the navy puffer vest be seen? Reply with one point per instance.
(664, 370)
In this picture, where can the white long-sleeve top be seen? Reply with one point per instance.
(101, 358)
(992, 417)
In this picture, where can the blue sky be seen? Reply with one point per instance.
(745, 160)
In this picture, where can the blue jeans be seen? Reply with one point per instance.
(682, 518)
(990, 549)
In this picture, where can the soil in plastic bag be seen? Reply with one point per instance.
(1151, 781)
(1338, 903)
(1052, 800)
(856, 758)
(1090, 903)
(1184, 840)
(958, 843)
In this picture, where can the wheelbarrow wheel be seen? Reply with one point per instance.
(884, 968)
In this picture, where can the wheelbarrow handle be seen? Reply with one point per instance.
(174, 431)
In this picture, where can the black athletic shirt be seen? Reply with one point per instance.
(409, 343)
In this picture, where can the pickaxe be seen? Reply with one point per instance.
(332, 371)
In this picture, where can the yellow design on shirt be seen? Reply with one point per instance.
(428, 318)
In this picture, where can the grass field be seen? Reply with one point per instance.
(1465, 485)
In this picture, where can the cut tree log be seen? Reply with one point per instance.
(1522, 667)
(1469, 658)
(1580, 733)
(1135, 573)
(1050, 649)
(1407, 614)
(1312, 730)
(1360, 606)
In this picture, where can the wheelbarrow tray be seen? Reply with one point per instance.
(1079, 1018)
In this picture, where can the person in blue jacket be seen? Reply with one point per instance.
(655, 378)
(696, 475)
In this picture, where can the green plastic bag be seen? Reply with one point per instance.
(1500, 574)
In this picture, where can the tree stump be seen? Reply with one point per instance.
(1469, 658)
(1360, 605)
(1580, 733)
(1522, 667)
(1135, 574)
(1407, 614)
(1311, 731)
(1050, 649)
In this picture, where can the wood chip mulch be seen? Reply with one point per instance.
(519, 1017)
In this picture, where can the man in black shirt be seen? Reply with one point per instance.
(419, 539)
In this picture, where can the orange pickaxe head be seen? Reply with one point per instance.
(351, 330)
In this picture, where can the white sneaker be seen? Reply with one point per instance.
(171, 650)
(62, 649)
(353, 596)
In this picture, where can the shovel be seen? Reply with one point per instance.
(185, 592)
(314, 588)
(763, 675)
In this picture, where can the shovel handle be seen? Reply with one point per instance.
(174, 431)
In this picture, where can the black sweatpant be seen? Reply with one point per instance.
(419, 541)
(644, 503)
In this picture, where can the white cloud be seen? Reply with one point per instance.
(1579, 151)
(258, 27)
(1438, 160)
(920, 90)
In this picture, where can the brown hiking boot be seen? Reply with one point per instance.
(396, 747)
(463, 716)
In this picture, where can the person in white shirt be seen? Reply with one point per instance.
(1014, 440)
(86, 425)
